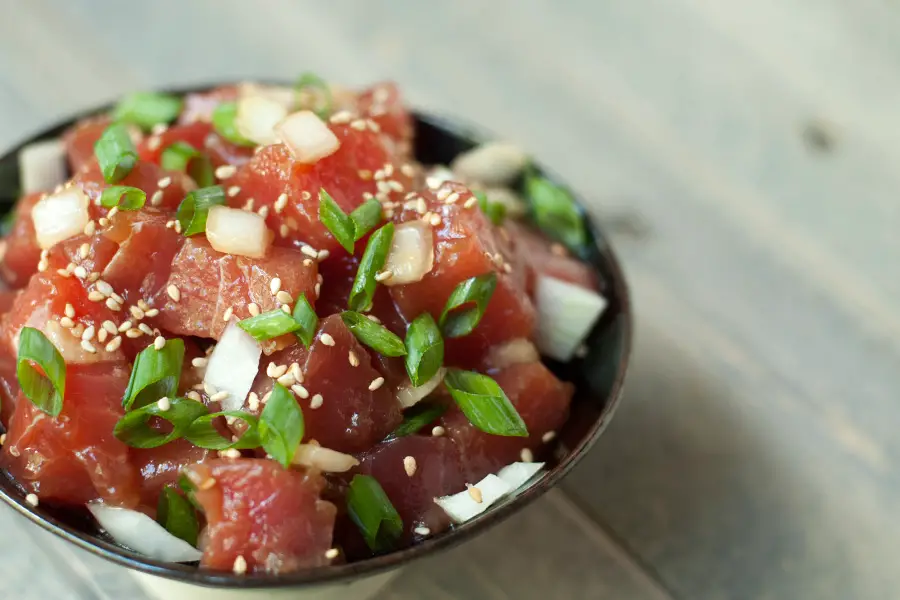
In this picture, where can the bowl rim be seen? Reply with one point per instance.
(347, 572)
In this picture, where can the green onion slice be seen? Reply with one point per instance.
(193, 210)
(484, 403)
(146, 109)
(115, 153)
(45, 389)
(310, 83)
(307, 320)
(494, 211)
(417, 417)
(372, 512)
(372, 261)
(475, 290)
(366, 217)
(555, 211)
(183, 157)
(336, 220)
(424, 349)
(123, 196)
(373, 335)
(223, 122)
(177, 515)
(281, 425)
(155, 374)
(134, 428)
(269, 325)
(188, 487)
(203, 432)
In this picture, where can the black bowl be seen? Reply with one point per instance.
(598, 377)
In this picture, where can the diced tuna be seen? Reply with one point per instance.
(21, 252)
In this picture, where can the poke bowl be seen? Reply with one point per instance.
(268, 336)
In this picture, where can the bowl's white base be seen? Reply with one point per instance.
(360, 589)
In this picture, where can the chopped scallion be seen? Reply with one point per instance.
(372, 261)
(269, 325)
(373, 335)
(475, 290)
(223, 122)
(494, 211)
(281, 425)
(155, 374)
(307, 320)
(183, 157)
(424, 349)
(417, 417)
(177, 515)
(123, 196)
(484, 403)
(146, 109)
(372, 512)
(336, 220)
(194, 209)
(365, 217)
(312, 84)
(115, 153)
(135, 430)
(203, 432)
(45, 387)
(555, 211)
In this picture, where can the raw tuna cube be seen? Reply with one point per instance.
(20, 250)
(543, 403)
(172, 185)
(74, 458)
(383, 104)
(79, 140)
(542, 256)
(159, 467)
(199, 106)
(271, 517)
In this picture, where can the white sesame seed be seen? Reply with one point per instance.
(89, 333)
(240, 565)
(278, 371)
(112, 212)
(80, 272)
(327, 339)
(341, 117)
(225, 171)
(88, 347)
(63, 272)
(102, 334)
(145, 328)
(156, 198)
(219, 396)
(170, 224)
(354, 360)
(548, 437)
(111, 304)
(248, 205)
(284, 297)
(475, 493)
(423, 531)
(322, 255)
(136, 312)
(286, 309)
(103, 221)
(283, 230)
(164, 404)
(376, 383)
(84, 250)
(70, 311)
(104, 288)
(395, 185)
(421, 207)
(234, 191)
(194, 396)
(318, 289)
(90, 228)
(117, 298)
(125, 326)
(280, 202)
(470, 202)
(164, 182)
(32, 500)
(77, 330)
(134, 333)
(114, 344)
(2, 438)
(384, 275)
(296, 372)
(316, 401)
(154, 142)
(263, 211)
(152, 312)
(230, 453)
(173, 292)
(358, 124)
(408, 170)
(409, 465)
(526, 455)
(437, 431)
(253, 307)
(253, 401)
(309, 251)
(301, 391)
(67, 322)
(228, 313)
(159, 343)
(332, 553)
(200, 361)
(110, 327)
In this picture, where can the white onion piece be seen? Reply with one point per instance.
(412, 253)
(324, 459)
(512, 202)
(60, 216)
(408, 395)
(565, 315)
(283, 95)
(42, 166)
(307, 136)
(141, 533)
(513, 352)
(233, 365)
(256, 118)
(493, 163)
(236, 231)
(519, 473)
(462, 506)
(437, 176)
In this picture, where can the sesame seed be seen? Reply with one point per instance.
(322, 255)
(200, 361)
(170, 224)
(332, 553)
(283, 230)
(327, 339)
(174, 293)
(2, 438)
(230, 453)
(61, 272)
(218, 396)
(421, 207)
(437, 431)
(409, 465)
(316, 401)
(152, 312)
(228, 313)
(145, 328)
(240, 565)
(136, 312)
(263, 211)
(253, 307)
(526, 455)
(208, 483)
(164, 404)
(70, 311)
(159, 343)
(156, 198)
(164, 182)
(109, 326)
(234, 191)
(117, 298)
(301, 391)
(125, 326)
(358, 124)
(77, 330)
(32, 500)
(376, 383)
(318, 289)
(80, 272)
(341, 117)
(154, 142)
(364, 174)
(287, 380)
(88, 347)
(248, 205)
(114, 344)
(111, 304)
(277, 371)
(475, 493)
(309, 251)
(280, 202)
(286, 309)
(253, 401)
(134, 333)
(470, 202)
(384, 275)
(354, 360)
(89, 333)
(84, 250)
(67, 322)
(444, 193)
(226, 171)
(104, 288)
(423, 531)
(93, 277)
(435, 220)
(112, 212)
(284, 297)
(407, 169)
(395, 185)
(102, 335)
(90, 228)
(194, 396)
(305, 195)
(507, 268)
(296, 372)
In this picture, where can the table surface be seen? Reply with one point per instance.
(743, 156)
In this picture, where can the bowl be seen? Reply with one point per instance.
(598, 377)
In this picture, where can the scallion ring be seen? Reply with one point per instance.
(155, 374)
(177, 515)
(312, 84)
(484, 403)
(269, 325)
(555, 211)
(372, 261)
(424, 349)
(45, 389)
(134, 428)
(307, 320)
(223, 122)
(373, 335)
(494, 211)
(124, 197)
(115, 153)
(183, 157)
(336, 220)
(365, 217)
(418, 417)
(194, 209)
(281, 425)
(458, 319)
(203, 433)
(147, 109)
(372, 512)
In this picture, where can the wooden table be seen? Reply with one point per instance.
(744, 156)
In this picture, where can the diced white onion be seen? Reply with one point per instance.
(513, 352)
(324, 459)
(412, 253)
(493, 163)
(60, 216)
(256, 118)
(141, 533)
(438, 175)
(42, 166)
(233, 366)
(565, 315)
(307, 137)
(408, 394)
(519, 473)
(515, 206)
(283, 95)
(462, 506)
(236, 231)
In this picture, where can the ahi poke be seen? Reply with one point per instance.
(246, 328)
